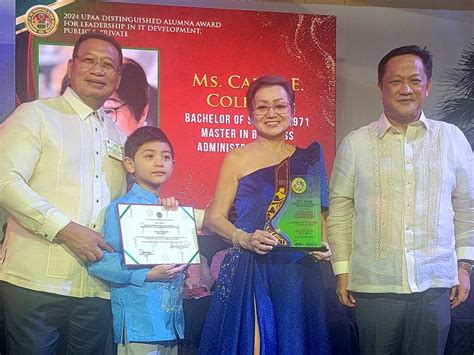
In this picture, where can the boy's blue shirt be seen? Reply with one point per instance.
(149, 311)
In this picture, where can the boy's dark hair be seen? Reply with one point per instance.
(424, 54)
(144, 135)
(133, 88)
(265, 81)
(101, 36)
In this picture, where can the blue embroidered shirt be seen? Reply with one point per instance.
(146, 311)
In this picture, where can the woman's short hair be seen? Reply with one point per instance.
(266, 81)
(134, 88)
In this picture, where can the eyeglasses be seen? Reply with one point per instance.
(279, 109)
(88, 62)
(112, 111)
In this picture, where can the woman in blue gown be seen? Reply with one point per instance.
(266, 301)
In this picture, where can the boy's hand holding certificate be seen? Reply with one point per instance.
(154, 235)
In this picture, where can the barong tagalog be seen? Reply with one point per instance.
(294, 215)
(153, 235)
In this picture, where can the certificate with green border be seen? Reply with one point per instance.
(153, 235)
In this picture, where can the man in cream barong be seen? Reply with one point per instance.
(401, 216)
(60, 169)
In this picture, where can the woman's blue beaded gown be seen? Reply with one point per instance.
(283, 288)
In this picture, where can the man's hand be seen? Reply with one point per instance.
(164, 272)
(460, 292)
(84, 242)
(345, 297)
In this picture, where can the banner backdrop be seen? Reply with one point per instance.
(199, 63)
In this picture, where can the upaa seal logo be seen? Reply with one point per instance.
(41, 21)
(298, 185)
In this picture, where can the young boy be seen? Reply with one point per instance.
(146, 302)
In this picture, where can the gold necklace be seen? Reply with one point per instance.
(264, 149)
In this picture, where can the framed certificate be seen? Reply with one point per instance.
(153, 235)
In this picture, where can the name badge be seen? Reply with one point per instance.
(114, 150)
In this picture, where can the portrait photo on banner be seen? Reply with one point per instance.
(134, 104)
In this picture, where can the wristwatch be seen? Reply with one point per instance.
(466, 265)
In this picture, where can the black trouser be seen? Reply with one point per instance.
(415, 323)
(44, 323)
(195, 311)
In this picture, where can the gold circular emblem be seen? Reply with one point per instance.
(298, 185)
(41, 21)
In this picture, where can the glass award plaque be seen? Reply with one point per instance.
(294, 215)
